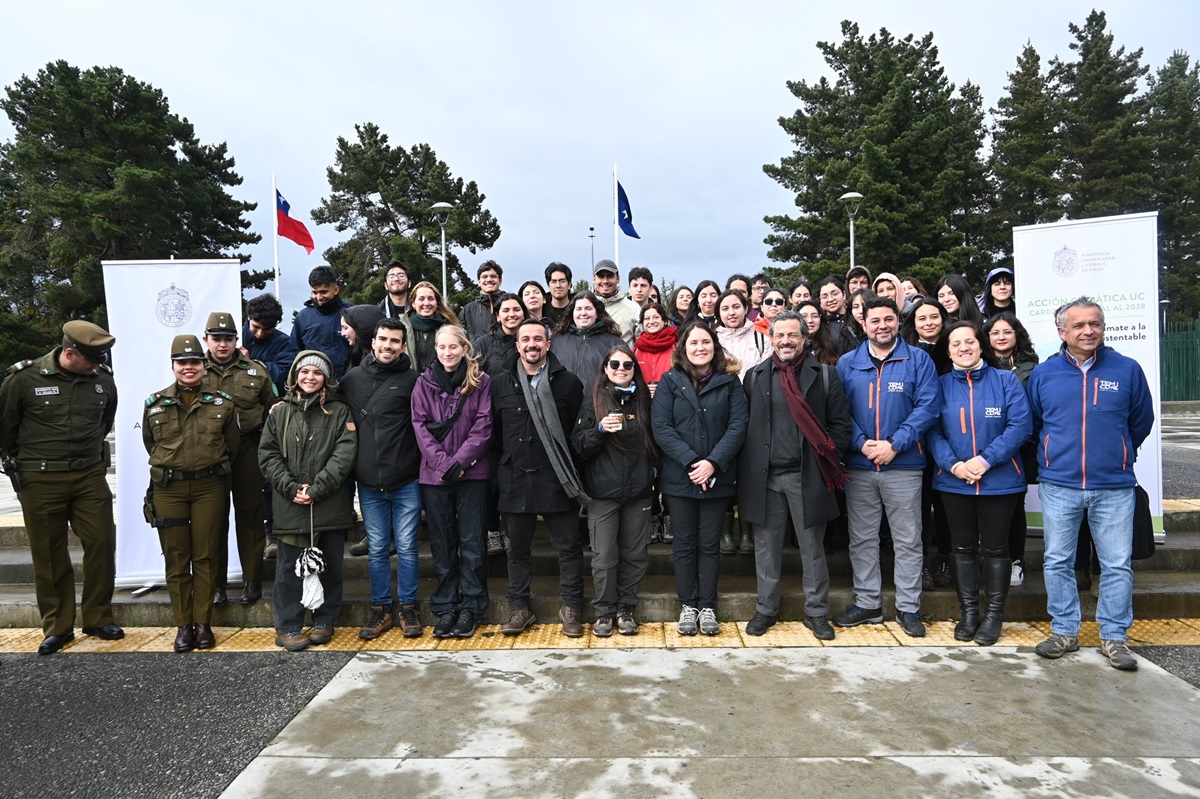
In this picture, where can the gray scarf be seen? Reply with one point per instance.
(549, 430)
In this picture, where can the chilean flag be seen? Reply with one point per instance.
(290, 228)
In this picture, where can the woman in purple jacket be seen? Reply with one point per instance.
(976, 442)
(452, 417)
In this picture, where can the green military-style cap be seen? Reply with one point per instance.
(220, 324)
(186, 348)
(90, 340)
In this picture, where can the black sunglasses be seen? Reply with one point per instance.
(774, 301)
(620, 365)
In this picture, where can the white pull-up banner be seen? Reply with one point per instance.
(149, 304)
(1113, 260)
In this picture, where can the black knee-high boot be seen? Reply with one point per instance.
(966, 582)
(996, 575)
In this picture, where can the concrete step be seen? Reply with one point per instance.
(1180, 553)
(1157, 595)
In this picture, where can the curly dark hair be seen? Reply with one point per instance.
(265, 310)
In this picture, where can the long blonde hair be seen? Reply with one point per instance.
(442, 307)
(471, 380)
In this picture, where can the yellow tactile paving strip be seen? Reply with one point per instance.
(652, 635)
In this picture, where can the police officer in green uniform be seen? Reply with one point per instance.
(192, 437)
(54, 415)
(249, 383)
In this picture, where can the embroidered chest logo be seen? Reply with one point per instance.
(896, 386)
(252, 372)
(1110, 385)
(45, 391)
(991, 413)
(153, 411)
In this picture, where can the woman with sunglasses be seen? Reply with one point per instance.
(773, 302)
(617, 455)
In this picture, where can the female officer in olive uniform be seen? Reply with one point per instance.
(192, 436)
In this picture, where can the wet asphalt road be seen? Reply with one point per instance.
(146, 725)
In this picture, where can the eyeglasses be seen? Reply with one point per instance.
(620, 366)
(559, 281)
(774, 301)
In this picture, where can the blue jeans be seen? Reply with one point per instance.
(389, 515)
(1110, 513)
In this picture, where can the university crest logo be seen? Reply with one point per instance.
(1066, 262)
(174, 307)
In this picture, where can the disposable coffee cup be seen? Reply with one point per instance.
(620, 417)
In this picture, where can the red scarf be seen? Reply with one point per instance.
(655, 343)
(827, 457)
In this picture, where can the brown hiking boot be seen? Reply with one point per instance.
(518, 620)
(410, 622)
(379, 623)
(571, 625)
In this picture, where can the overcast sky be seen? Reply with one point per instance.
(536, 101)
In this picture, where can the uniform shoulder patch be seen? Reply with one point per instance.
(18, 366)
(224, 395)
(150, 400)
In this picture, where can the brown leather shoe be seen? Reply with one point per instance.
(251, 593)
(292, 642)
(380, 622)
(572, 626)
(518, 620)
(321, 634)
(410, 621)
(204, 637)
(185, 639)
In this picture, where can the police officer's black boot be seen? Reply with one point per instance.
(966, 580)
(996, 575)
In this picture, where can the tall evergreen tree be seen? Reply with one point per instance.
(99, 168)
(1106, 150)
(1174, 126)
(892, 127)
(382, 194)
(1025, 155)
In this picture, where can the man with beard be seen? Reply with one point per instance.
(894, 397)
(791, 467)
(606, 281)
(386, 468)
(535, 400)
(477, 315)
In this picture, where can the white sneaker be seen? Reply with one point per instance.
(687, 620)
(1018, 574)
(708, 622)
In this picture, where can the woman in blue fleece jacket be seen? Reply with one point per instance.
(975, 442)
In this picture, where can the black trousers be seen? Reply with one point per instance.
(564, 534)
(289, 613)
(696, 525)
(455, 517)
(980, 523)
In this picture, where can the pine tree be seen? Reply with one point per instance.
(1174, 127)
(891, 127)
(100, 168)
(1025, 155)
(382, 194)
(1106, 150)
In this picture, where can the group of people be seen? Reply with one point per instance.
(916, 416)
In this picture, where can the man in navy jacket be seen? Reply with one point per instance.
(1092, 410)
(894, 399)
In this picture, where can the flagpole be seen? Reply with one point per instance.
(616, 217)
(275, 230)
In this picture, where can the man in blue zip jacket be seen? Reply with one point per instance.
(894, 398)
(1092, 410)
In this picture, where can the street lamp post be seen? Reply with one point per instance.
(852, 200)
(592, 236)
(441, 212)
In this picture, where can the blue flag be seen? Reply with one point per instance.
(625, 213)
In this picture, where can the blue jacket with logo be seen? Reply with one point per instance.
(984, 412)
(897, 401)
(1090, 424)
